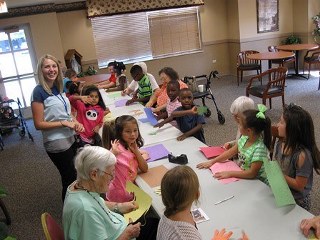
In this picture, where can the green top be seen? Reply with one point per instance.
(145, 89)
(84, 218)
(257, 152)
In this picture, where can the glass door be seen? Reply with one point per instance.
(17, 63)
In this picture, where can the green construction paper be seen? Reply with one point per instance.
(114, 94)
(202, 110)
(278, 184)
(142, 199)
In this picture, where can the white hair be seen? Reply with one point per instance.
(241, 104)
(91, 158)
(143, 65)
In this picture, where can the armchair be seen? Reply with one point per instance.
(274, 87)
(311, 57)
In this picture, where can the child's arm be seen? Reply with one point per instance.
(160, 108)
(299, 182)
(181, 113)
(167, 120)
(190, 132)
(143, 166)
(153, 98)
(162, 115)
(246, 174)
(224, 156)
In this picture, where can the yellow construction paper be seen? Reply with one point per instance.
(142, 199)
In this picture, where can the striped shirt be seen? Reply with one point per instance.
(257, 152)
(144, 89)
(171, 106)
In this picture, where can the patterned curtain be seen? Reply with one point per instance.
(110, 7)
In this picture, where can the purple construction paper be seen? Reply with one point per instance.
(156, 152)
(150, 116)
(120, 103)
(144, 120)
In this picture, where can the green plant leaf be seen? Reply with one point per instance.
(3, 192)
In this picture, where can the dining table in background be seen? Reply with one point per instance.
(296, 48)
(271, 56)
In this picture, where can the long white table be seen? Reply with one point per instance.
(253, 208)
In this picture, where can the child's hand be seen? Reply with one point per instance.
(86, 99)
(181, 138)
(159, 125)
(124, 92)
(311, 224)
(144, 154)
(226, 146)
(244, 236)
(96, 129)
(78, 127)
(204, 165)
(222, 175)
(129, 102)
(222, 235)
(134, 147)
(106, 112)
(194, 110)
(115, 147)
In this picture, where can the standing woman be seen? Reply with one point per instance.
(51, 113)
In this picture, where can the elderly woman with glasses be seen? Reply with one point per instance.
(85, 214)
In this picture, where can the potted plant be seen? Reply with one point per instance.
(291, 40)
(316, 31)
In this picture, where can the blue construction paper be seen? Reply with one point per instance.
(156, 152)
(144, 120)
(150, 116)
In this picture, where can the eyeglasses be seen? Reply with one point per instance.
(111, 175)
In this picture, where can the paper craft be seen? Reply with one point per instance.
(156, 152)
(199, 215)
(278, 184)
(120, 103)
(144, 120)
(136, 112)
(211, 152)
(202, 110)
(114, 94)
(154, 175)
(142, 199)
(157, 190)
(152, 119)
(225, 166)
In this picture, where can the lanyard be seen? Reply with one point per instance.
(64, 103)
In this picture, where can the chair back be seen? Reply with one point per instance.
(272, 49)
(50, 227)
(277, 77)
(244, 60)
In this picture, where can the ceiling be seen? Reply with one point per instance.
(24, 3)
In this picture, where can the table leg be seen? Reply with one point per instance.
(296, 67)
(270, 64)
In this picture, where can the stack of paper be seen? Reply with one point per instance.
(225, 166)
(156, 152)
(211, 152)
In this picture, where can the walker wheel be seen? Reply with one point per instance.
(208, 113)
(22, 133)
(221, 118)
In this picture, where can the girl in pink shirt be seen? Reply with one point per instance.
(123, 138)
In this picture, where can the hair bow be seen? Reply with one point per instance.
(262, 108)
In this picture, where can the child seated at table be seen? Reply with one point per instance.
(173, 90)
(187, 117)
(123, 138)
(69, 76)
(252, 147)
(144, 91)
(121, 80)
(111, 82)
(177, 221)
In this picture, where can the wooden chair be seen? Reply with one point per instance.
(280, 62)
(312, 57)
(246, 64)
(50, 227)
(274, 87)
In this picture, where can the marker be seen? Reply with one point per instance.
(226, 199)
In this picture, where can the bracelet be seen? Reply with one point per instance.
(116, 208)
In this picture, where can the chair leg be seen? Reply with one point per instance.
(5, 212)
(270, 103)
(264, 101)
(309, 71)
(283, 99)
(241, 75)
(238, 77)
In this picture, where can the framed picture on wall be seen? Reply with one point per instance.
(267, 16)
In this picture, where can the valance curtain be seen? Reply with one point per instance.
(98, 8)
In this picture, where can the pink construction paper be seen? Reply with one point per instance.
(156, 152)
(211, 152)
(225, 166)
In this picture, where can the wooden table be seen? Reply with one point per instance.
(297, 48)
(271, 56)
(93, 79)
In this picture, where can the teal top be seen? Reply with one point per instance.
(257, 152)
(144, 89)
(84, 218)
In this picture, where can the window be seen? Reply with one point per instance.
(146, 35)
(16, 64)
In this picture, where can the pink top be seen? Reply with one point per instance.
(163, 96)
(171, 106)
(89, 116)
(126, 170)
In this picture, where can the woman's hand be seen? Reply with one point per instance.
(222, 175)
(127, 207)
(115, 147)
(131, 231)
(310, 224)
(78, 127)
(222, 235)
(205, 164)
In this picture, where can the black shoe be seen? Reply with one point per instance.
(182, 159)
